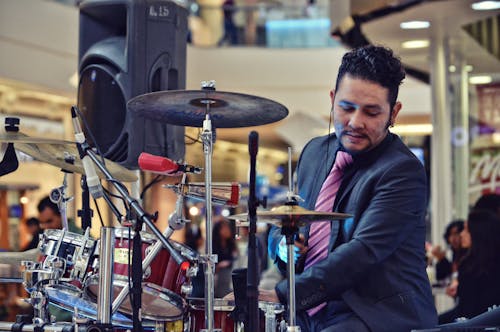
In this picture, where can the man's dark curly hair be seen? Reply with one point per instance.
(376, 64)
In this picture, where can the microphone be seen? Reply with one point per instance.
(93, 181)
(164, 166)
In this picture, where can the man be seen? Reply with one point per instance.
(373, 277)
(50, 217)
(33, 227)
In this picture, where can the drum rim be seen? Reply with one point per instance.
(198, 303)
(76, 239)
(77, 293)
(151, 239)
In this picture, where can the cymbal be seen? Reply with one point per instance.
(62, 154)
(290, 215)
(188, 108)
(18, 137)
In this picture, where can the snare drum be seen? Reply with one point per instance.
(76, 252)
(163, 280)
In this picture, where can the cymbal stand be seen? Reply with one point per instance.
(176, 221)
(208, 259)
(106, 259)
(289, 229)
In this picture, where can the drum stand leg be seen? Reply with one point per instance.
(208, 258)
(291, 283)
(106, 260)
(40, 303)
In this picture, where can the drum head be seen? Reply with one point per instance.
(158, 303)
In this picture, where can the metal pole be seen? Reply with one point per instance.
(460, 139)
(441, 171)
(209, 259)
(106, 260)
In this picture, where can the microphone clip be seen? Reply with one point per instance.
(189, 169)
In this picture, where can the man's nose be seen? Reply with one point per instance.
(357, 119)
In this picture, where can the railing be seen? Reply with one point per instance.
(219, 23)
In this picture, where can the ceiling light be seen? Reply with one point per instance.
(480, 79)
(452, 68)
(415, 25)
(486, 5)
(415, 43)
(468, 68)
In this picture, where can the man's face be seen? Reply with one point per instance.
(361, 113)
(454, 239)
(49, 219)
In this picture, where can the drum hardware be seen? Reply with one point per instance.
(176, 221)
(57, 196)
(35, 278)
(141, 218)
(253, 203)
(75, 252)
(223, 193)
(105, 274)
(199, 109)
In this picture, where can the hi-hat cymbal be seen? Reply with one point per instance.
(62, 154)
(290, 215)
(188, 108)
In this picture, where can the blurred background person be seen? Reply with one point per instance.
(490, 202)
(50, 216)
(33, 228)
(479, 269)
(444, 266)
(224, 246)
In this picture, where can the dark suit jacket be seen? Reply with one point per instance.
(378, 267)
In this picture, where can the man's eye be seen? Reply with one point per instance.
(346, 106)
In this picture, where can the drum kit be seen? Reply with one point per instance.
(130, 279)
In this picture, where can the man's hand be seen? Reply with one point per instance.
(438, 252)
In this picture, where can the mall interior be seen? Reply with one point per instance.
(281, 55)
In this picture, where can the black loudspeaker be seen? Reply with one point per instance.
(128, 48)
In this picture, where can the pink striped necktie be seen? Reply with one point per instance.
(319, 232)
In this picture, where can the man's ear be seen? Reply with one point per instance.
(332, 95)
(395, 110)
